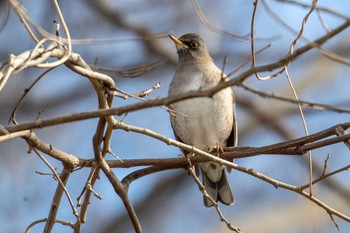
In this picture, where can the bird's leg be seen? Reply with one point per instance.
(218, 149)
(190, 165)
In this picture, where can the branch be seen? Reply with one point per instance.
(116, 17)
(7, 136)
(325, 52)
(76, 60)
(215, 204)
(64, 223)
(212, 27)
(41, 56)
(161, 164)
(119, 188)
(297, 146)
(68, 159)
(304, 103)
(62, 180)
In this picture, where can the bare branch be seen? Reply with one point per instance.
(324, 51)
(62, 180)
(133, 72)
(215, 204)
(212, 27)
(68, 159)
(51, 51)
(304, 103)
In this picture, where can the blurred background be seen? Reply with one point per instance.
(170, 201)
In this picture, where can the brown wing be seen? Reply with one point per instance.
(232, 140)
(184, 152)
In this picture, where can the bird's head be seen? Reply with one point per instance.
(190, 47)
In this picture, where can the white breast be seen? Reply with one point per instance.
(203, 122)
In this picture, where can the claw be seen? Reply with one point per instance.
(218, 149)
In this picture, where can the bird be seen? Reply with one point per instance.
(203, 122)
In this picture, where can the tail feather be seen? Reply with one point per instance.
(224, 189)
(218, 191)
(211, 188)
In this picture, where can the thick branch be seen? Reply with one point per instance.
(297, 146)
(118, 186)
(169, 100)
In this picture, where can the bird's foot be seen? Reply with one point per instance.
(218, 149)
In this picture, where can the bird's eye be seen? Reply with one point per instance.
(194, 45)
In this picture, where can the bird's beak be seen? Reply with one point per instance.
(177, 41)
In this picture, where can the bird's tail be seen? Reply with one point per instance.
(218, 191)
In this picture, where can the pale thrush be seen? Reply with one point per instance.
(204, 122)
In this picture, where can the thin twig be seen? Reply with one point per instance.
(133, 72)
(26, 91)
(62, 180)
(64, 58)
(263, 177)
(308, 6)
(324, 176)
(215, 204)
(325, 52)
(304, 103)
(291, 51)
(252, 46)
(23, 17)
(303, 121)
(246, 61)
(334, 222)
(64, 223)
(206, 23)
(323, 23)
(325, 165)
